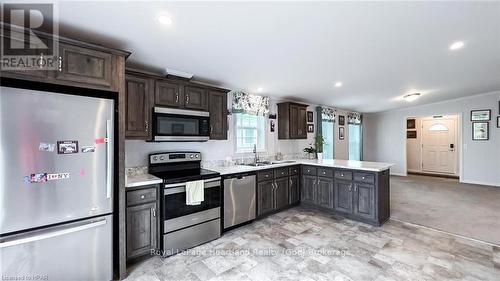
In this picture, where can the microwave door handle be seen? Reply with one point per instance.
(109, 158)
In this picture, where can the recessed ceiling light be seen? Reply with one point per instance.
(166, 20)
(338, 84)
(260, 89)
(411, 97)
(456, 45)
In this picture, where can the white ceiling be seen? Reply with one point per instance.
(297, 50)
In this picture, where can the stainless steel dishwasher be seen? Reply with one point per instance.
(239, 199)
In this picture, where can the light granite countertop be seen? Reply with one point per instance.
(345, 164)
(141, 179)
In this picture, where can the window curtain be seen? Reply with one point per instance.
(353, 118)
(328, 114)
(250, 104)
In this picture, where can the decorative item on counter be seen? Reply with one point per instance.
(278, 156)
(310, 128)
(319, 141)
(480, 115)
(480, 131)
(310, 116)
(341, 133)
(310, 152)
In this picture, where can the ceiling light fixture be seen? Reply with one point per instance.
(456, 45)
(411, 97)
(166, 20)
(260, 90)
(338, 84)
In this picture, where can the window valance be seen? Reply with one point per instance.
(328, 114)
(250, 104)
(354, 118)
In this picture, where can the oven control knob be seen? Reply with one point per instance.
(191, 156)
(197, 156)
(155, 158)
(162, 158)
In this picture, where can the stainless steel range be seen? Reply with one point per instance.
(186, 226)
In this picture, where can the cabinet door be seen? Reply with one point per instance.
(294, 119)
(343, 196)
(324, 196)
(141, 230)
(294, 190)
(265, 197)
(195, 98)
(137, 107)
(364, 200)
(281, 193)
(218, 115)
(168, 94)
(85, 66)
(308, 188)
(302, 123)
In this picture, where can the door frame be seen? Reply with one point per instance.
(459, 132)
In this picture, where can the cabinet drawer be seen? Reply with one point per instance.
(309, 170)
(364, 177)
(281, 172)
(325, 172)
(265, 175)
(141, 196)
(294, 170)
(343, 175)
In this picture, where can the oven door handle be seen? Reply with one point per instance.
(181, 187)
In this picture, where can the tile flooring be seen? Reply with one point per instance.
(306, 244)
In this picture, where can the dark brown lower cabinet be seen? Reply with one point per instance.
(265, 197)
(343, 196)
(324, 192)
(294, 190)
(280, 193)
(141, 230)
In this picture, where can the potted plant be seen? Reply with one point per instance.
(310, 151)
(319, 141)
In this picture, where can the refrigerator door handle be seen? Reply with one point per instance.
(51, 234)
(109, 158)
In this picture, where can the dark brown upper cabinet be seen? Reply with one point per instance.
(168, 94)
(292, 121)
(83, 65)
(217, 106)
(195, 98)
(138, 107)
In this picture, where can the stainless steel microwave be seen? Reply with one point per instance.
(170, 124)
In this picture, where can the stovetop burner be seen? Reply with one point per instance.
(186, 175)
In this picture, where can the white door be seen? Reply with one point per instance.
(438, 146)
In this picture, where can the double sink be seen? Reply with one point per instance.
(267, 163)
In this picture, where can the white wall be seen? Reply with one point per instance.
(136, 151)
(385, 135)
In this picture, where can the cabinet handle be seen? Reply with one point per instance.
(60, 64)
(211, 129)
(176, 97)
(142, 196)
(40, 64)
(363, 178)
(187, 98)
(355, 187)
(153, 210)
(324, 172)
(350, 187)
(342, 175)
(146, 125)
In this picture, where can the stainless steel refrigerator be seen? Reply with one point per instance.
(56, 179)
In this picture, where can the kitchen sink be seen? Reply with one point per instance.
(283, 162)
(267, 163)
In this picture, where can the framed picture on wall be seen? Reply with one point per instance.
(498, 121)
(341, 133)
(411, 134)
(410, 124)
(310, 116)
(341, 120)
(310, 128)
(480, 131)
(480, 115)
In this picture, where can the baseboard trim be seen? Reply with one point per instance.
(399, 174)
(446, 232)
(480, 183)
(433, 175)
